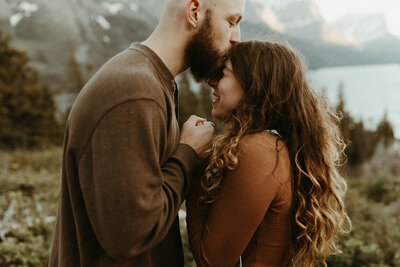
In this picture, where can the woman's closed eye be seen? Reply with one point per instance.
(226, 71)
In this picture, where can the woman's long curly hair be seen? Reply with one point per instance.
(278, 96)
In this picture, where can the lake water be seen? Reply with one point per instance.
(369, 91)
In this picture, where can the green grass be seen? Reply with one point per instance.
(375, 237)
(29, 189)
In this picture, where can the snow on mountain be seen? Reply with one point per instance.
(103, 22)
(16, 18)
(301, 19)
(364, 27)
(24, 9)
(257, 12)
(28, 8)
(134, 7)
(113, 8)
(87, 31)
(271, 19)
(53, 32)
(116, 7)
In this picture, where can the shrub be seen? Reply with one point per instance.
(27, 107)
(385, 189)
(375, 236)
(29, 189)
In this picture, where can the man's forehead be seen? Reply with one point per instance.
(229, 7)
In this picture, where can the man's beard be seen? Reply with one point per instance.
(205, 60)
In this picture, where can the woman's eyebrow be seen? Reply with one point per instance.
(227, 69)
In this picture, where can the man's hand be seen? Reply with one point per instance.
(197, 133)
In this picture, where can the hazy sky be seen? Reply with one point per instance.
(334, 9)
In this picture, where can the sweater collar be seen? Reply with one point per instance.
(157, 62)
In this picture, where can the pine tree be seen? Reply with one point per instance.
(384, 131)
(346, 122)
(74, 78)
(205, 101)
(206, 108)
(188, 101)
(26, 105)
(357, 150)
(360, 142)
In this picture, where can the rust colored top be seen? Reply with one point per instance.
(252, 215)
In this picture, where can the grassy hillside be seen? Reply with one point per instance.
(29, 186)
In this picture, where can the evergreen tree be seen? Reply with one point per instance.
(74, 79)
(360, 142)
(206, 107)
(188, 101)
(205, 101)
(385, 132)
(26, 105)
(346, 122)
(356, 151)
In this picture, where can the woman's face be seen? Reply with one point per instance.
(227, 93)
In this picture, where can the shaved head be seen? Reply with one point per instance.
(175, 3)
(207, 49)
(196, 34)
(177, 6)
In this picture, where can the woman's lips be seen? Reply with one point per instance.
(216, 98)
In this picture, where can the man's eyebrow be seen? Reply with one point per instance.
(236, 17)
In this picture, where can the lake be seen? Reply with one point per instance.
(369, 91)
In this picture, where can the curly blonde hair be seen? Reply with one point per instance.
(278, 96)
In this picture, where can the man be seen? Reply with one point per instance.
(126, 168)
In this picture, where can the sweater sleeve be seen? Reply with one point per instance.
(219, 233)
(132, 200)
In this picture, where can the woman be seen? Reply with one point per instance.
(272, 194)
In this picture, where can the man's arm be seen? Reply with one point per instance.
(131, 200)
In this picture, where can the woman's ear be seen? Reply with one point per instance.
(192, 10)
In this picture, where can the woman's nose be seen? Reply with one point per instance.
(213, 83)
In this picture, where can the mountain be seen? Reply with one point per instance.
(354, 40)
(68, 40)
(58, 32)
(364, 27)
(301, 19)
(372, 32)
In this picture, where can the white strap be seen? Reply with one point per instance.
(275, 132)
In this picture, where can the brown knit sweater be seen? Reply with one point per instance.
(252, 215)
(124, 174)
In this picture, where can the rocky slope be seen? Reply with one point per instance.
(68, 40)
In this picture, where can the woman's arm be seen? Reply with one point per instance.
(219, 233)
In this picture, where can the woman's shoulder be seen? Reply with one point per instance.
(263, 141)
(269, 151)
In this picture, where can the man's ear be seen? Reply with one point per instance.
(192, 10)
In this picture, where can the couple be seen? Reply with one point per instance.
(270, 193)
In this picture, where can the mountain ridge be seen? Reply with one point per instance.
(62, 36)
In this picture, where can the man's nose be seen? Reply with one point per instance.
(235, 36)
